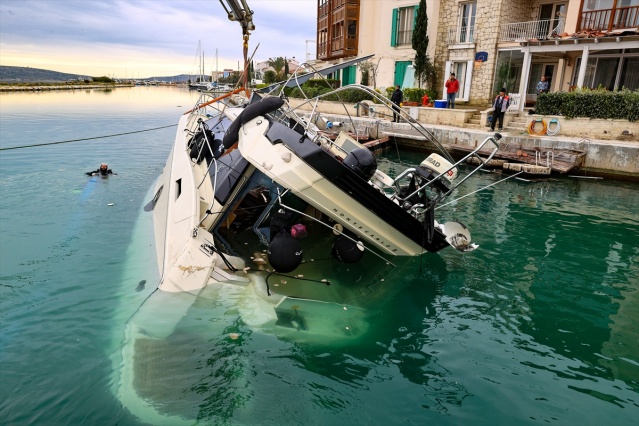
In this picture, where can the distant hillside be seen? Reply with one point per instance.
(9, 74)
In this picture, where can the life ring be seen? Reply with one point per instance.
(555, 131)
(533, 123)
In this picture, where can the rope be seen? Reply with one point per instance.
(85, 139)
(533, 123)
(555, 131)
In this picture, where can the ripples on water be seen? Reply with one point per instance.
(537, 325)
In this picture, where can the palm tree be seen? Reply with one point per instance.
(278, 65)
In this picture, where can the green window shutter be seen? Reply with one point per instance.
(415, 17)
(394, 28)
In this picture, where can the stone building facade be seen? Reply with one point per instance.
(503, 43)
(573, 43)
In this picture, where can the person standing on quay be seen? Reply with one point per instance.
(396, 98)
(500, 105)
(452, 87)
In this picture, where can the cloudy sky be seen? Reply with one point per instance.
(145, 38)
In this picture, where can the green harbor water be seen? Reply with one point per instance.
(537, 326)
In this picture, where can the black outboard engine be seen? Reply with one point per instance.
(362, 162)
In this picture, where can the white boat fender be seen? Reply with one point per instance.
(346, 250)
(256, 109)
(284, 252)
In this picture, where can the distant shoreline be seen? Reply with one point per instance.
(47, 87)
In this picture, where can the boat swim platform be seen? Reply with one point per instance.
(610, 158)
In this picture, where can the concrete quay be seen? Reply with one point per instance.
(604, 158)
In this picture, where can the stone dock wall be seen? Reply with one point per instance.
(612, 158)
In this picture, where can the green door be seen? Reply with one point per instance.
(400, 71)
(348, 75)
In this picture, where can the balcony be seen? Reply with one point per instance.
(461, 35)
(540, 30)
(610, 19)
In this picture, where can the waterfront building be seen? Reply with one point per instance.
(489, 44)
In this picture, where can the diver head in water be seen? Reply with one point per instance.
(103, 170)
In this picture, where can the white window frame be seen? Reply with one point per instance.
(405, 25)
(469, 31)
(464, 81)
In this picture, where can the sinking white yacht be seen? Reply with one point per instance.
(257, 208)
(258, 166)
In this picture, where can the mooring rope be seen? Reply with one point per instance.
(85, 139)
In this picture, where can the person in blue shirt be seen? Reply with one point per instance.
(542, 86)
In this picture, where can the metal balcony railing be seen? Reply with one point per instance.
(543, 29)
(461, 35)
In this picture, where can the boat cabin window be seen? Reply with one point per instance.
(178, 188)
(231, 168)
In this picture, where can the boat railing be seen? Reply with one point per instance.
(428, 135)
(378, 99)
(482, 161)
(441, 178)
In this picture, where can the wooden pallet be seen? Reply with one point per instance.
(560, 161)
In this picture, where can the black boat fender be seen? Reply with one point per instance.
(256, 109)
(284, 252)
(346, 250)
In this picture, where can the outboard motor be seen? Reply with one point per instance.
(434, 165)
(362, 162)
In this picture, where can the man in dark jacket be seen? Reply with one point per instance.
(500, 105)
(396, 98)
(104, 170)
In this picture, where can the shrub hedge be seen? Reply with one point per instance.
(623, 104)
(413, 94)
(349, 95)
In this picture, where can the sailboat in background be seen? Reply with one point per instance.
(200, 84)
